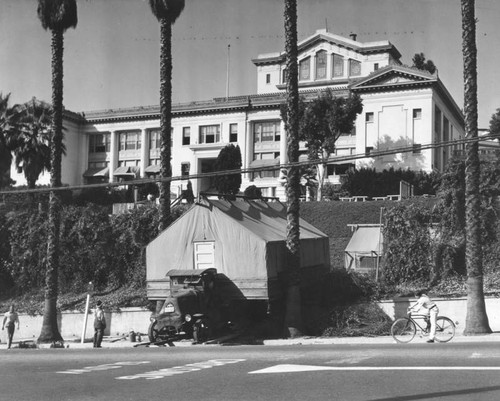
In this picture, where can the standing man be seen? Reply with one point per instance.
(430, 308)
(99, 325)
(10, 318)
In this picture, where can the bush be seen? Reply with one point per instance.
(108, 251)
(408, 247)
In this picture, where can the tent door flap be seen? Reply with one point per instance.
(204, 254)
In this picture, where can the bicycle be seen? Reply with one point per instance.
(404, 329)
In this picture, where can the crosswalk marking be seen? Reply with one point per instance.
(310, 368)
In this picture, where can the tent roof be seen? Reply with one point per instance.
(266, 220)
(365, 240)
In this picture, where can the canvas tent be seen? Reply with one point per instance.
(244, 240)
(365, 248)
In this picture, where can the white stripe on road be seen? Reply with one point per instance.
(311, 368)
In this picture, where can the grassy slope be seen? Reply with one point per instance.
(333, 217)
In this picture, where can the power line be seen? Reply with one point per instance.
(306, 163)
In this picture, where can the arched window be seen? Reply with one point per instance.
(321, 64)
(354, 68)
(305, 69)
(338, 66)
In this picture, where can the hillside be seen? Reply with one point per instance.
(333, 217)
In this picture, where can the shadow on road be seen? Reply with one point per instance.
(439, 394)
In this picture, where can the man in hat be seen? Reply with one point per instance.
(10, 319)
(99, 324)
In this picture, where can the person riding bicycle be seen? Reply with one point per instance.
(431, 310)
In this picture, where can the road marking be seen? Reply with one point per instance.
(107, 366)
(311, 368)
(177, 370)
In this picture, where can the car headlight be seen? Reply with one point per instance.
(187, 318)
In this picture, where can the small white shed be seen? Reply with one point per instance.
(364, 250)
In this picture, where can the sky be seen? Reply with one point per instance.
(111, 59)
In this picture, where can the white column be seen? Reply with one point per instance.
(144, 152)
(113, 160)
(248, 148)
(283, 148)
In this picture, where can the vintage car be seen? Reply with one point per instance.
(190, 310)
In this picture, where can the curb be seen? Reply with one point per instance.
(72, 344)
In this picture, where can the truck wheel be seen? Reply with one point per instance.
(153, 331)
(200, 332)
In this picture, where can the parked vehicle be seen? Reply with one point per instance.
(191, 309)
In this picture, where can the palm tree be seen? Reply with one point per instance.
(167, 12)
(476, 321)
(7, 127)
(30, 143)
(57, 16)
(293, 318)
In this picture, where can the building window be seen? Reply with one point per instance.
(437, 121)
(233, 132)
(369, 117)
(186, 136)
(154, 139)
(99, 143)
(96, 165)
(130, 140)
(305, 69)
(375, 67)
(338, 66)
(266, 132)
(209, 134)
(354, 68)
(271, 158)
(268, 78)
(321, 64)
(128, 163)
(417, 114)
(185, 169)
(284, 75)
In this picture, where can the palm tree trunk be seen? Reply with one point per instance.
(293, 314)
(165, 119)
(476, 321)
(50, 331)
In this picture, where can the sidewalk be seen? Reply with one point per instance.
(74, 343)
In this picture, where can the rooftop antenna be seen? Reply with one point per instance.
(227, 72)
(326, 24)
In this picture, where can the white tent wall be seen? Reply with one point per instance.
(249, 246)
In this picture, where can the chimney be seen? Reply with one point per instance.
(353, 36)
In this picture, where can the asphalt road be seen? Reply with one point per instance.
(387, 372)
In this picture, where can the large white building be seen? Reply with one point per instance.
(402, 107)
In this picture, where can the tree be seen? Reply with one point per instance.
(293, 318)
(30, 143)
(325, 119)
(7, 128)
(229, 158)
(167, 12)
(57, 16)
(476, 321)
(421, 63)
(253, 192)
(495, 124)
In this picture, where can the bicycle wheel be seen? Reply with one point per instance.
(445, 329)
(403, 330)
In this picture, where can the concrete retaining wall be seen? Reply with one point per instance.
(455, 309)
(71, 324)
(137, 319)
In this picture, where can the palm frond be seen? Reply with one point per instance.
(167, 8)
(57, 15)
